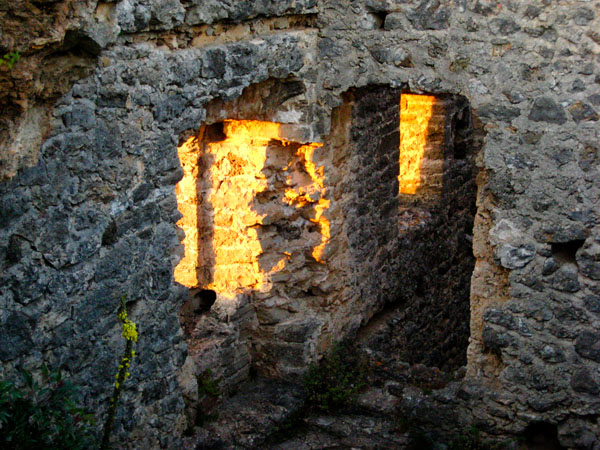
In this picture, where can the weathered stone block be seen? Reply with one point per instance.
(587, 345)
(583, 381)
(516, 257)
(582, 111)
(566, 279)
(495, 340)
(545, 109)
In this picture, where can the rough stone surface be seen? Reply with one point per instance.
(88, 210)
(58, 43)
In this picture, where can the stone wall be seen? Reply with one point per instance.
(94, 215)
(435, 248)
(54, 52)
(95, 219)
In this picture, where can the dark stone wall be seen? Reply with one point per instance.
(94, 220)
(414, 252)
(436, 249)
(372, 210)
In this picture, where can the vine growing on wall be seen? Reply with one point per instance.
(129, 332)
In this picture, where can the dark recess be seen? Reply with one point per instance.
(427, 237)
(564, 252)
(215, 132)
(542, 436)
(462, 129)
(380, 17)
(204, 299)
(109, 237)
(14, 251)
(76, 40)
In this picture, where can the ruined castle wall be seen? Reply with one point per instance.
(94, 216)
(95, 220)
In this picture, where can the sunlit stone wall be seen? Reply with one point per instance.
(422, 141)
(95, 217)
(255, 218)
(301, 242)
(237, 190)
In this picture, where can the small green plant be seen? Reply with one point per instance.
(43, 415)
(336, 381)
(10, 59)
(208, 384)
(471, 439)
(130, 334)
(208, 392)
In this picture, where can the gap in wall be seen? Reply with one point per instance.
(291, 245)
(428, 318)
(439, 314)
(254, 219)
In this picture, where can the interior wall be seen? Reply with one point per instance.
(303, 243)
(437, 239)
(254, 210)
(410, 228)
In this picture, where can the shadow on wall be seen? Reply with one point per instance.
(294, 236)
(196, 223)
(411, 220)
(437, 210)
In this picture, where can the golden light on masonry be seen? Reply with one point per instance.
(312, 193)
(220, 200)
(415, 115)
(187, 203)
